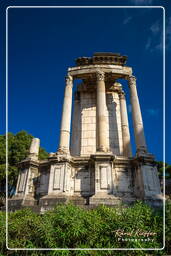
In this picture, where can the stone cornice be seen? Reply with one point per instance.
(28, 163)
(102, 58)
(122, 160)
(102, 156)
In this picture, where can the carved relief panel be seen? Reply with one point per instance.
(22, 181)
(57, 178)
(82, 181)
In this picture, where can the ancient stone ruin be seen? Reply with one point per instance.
(96, 165)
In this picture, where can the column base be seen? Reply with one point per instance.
(61, 154)
(63, 150)
(145, 155)
(141, 151)
(103, 149)
(100, 152)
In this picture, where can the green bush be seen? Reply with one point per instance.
(69, 226)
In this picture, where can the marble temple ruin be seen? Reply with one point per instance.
(94, 163)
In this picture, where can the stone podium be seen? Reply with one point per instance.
(94, 164)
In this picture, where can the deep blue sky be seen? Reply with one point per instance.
(43, 43)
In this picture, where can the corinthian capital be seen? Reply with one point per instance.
(69, 80)
(132, 80)
(100, 75)
(121, 94)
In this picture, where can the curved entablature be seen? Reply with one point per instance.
(115, 71)
(112, 64)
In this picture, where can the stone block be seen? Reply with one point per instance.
(91, 142)
(104, 200)
(92, 127)
(84, 142)
(44, 183)
(122, 183)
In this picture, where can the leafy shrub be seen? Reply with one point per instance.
(69, 226)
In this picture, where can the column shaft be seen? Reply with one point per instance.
(34, 149)
(101, 113)
(76, 127)
(125, 126)
(136, 115)
(66, 116)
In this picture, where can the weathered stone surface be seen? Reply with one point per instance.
(125, 126)
(97, 167)
(114, 70)
(82, 181)
(137, 117)
(85, 143)
(34, 149)
(66, 116)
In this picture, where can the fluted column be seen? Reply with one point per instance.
(66, 116)
(101, 112)
(136, 115)
(125, 126)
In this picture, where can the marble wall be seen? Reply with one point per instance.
(84, 139)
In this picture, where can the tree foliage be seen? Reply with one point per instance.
(18, 149)
(161, 166)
